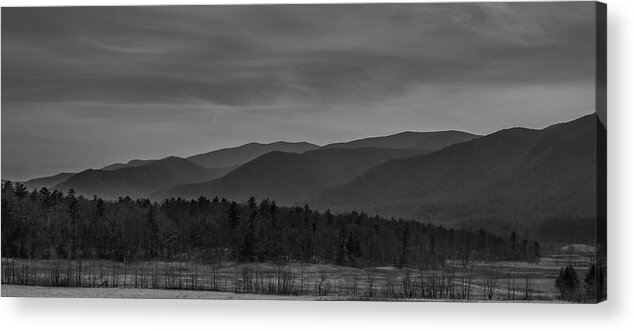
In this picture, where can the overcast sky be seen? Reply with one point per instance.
(85, 87)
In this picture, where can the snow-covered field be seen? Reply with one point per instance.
(86, 292)
(263, 281)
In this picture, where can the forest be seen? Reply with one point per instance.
(57, 225)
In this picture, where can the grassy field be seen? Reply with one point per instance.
(458, 281)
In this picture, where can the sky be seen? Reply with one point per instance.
(83, 87)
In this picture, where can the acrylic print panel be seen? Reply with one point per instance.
(400, 152)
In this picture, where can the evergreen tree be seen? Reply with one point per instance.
(153, 232)
(590, 283)
(567, 283)
(233, 219)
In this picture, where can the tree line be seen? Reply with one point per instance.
(44, 224)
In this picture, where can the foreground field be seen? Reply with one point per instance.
(130, 293)
(127, 293)
(458, 281)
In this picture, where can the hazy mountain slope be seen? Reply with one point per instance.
(511, 174)
(289, 177)
(285, 177)
(558, 175)
(48, 182)
(245, 153)
(350, 163)
(427, 141)
(132, 163)
(139, 181)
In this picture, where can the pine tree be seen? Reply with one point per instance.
(233, 220)
(567, 283)
(153, 231)
(590, 283)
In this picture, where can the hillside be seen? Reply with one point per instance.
(284, 177)
(426, 141)
(139, 181)
(48, 182)
(245, 153)
(289, 177)
(350, 163)
(132, 163)
(515, 174)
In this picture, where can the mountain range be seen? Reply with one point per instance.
(132, 163)
(139, 181)
(426, 141)
(49, 181)
(245, 153)
(290, 178)
(114, 180)
(227, 158)
(515, 174)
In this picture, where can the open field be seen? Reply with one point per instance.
(131, 293)
(458, 281)
(128, 293)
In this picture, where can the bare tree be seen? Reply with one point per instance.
(490, 281)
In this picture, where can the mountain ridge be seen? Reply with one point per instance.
(427, 141)
(238, 155)
(516, 173)
(47, 181)
(492, 176)
(283, 176)
(131, 163)
(139, 181)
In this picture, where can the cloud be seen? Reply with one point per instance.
(308, 68)
(251, 53)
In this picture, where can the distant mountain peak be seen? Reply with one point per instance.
(131, 163)
(49, 181)
(238, 155)
(172, 158)
(424, 141)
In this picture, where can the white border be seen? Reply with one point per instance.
(616, 314)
